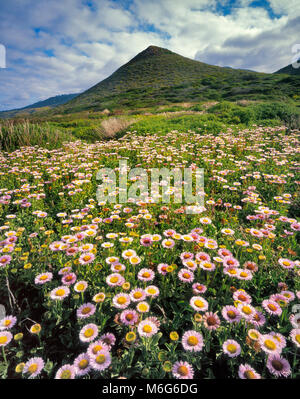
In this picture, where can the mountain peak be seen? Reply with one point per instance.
(150, 51)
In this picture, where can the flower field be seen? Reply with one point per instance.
(143, 289)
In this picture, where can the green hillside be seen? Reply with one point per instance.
(289, 70)
(158, 76)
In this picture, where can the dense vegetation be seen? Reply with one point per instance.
(158, 76)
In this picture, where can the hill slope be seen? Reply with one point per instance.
(290, 70)
(29, 109)
(159, 76)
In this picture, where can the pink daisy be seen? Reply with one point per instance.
(69, 279)
(202, 257)
(96, 347)
(295, 336)
(192, 341)
(272, 307)
(269, 344)
(66, 372)
(147, 328)
(129, 317)
(211, 321)
(5, 338)
(59, 293)
(88, 333)
(278, 366)
(101, 361)
(33, 367)
(231, 348)
(162, 268)
(121, 301)
(242, 296)
(43, 278)
(86, 310)
(258, 319)
(286, 263)
(231, 314)
(7, 322)
(86, 258)
(185, 275)
(246, 372)
(82, 364)
(198, 303)
(199, 288)
(137, 295)
(182, 370)
(146, 274)
(109, 339)
(115, 279)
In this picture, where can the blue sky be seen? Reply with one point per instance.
(59, 47)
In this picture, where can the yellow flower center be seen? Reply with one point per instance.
(114, 279)
(246, 310)
(249, 375)
(231, 314)
(100, 359)
(183, 370)
(143, 307)
(272, 307)
(32, 368)
(253, 335)
(192, 340)
(231, 348)
(83, 364)
(270, 344)
(86, 310)
(7, 323)
(297, 337)
(232, 271)
(186, 275)
(88, 332)
(44, 277)
(147, 328)
(65, 375)
(146, 274)
(60, 292)
(243, 274)
(137, 295)
(151, 291)
(80, 287)
(286, 263)
(121, 300)
(3, 340)
(199, 303)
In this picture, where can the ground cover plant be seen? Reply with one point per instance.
(143, 289)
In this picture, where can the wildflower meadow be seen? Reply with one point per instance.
(144, 289)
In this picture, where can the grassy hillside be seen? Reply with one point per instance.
(158, 76)
(290, 70)
(210, 117)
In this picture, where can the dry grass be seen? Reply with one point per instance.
(112, 126)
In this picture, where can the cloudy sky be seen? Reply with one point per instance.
(66, 46)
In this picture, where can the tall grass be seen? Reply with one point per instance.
(18, 134)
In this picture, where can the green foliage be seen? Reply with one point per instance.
(15, 135)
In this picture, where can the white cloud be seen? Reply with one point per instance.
(87, 44)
